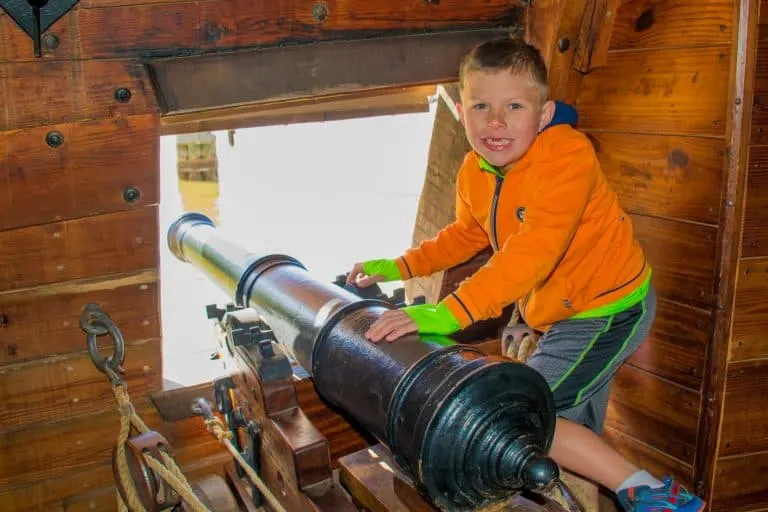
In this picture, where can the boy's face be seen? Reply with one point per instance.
(502, 113)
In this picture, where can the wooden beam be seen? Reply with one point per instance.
(242, 77)
(402, 100)
(595, 35)
(740, 98)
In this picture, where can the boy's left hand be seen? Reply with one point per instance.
(391, 325)
(430, 318)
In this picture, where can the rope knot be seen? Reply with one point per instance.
(216, 427)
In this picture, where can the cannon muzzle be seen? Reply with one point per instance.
(469, 429)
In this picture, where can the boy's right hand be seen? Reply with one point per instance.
(370, 272)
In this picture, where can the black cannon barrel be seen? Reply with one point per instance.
(470, 429)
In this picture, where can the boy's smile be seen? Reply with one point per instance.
(502, 112)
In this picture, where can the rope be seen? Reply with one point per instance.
(217, 428)
(168, 470)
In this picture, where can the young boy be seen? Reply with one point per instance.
(564, 250)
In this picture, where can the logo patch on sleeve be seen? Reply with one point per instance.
(520, 213)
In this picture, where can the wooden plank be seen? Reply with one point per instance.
(739, 104)
(761, 66)
(755, 229)
(81, 248)
(682, 255)
(674, 91)
(374, 483)
(740, 485)
(542, 23)
(313, 109)
(750, 320)
(50, 450)
(658, 412)
(745, 417)
(50, 494)
(170, 27)
(763, 12)
(51, 92)
(87, 175)
(660, 23)
(180, 28)
(291, 72)
(104, 499)
(66, 386)
(664, 176)
(759, 128)
(93, 489)
(677, 345)
(654, 461)
(595, 35)
(45, 321)
(564, 81)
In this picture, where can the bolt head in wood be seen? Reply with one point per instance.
(123, 95)
(54, 139)
(131, 194)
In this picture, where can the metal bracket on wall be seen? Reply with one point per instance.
(36, 16)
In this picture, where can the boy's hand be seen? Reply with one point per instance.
(391, 325)
(370, 272)
(426, 318)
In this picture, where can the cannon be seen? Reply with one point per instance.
(470, 430)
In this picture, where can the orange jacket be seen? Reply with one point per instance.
(562, 244)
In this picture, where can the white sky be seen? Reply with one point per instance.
(328, 194)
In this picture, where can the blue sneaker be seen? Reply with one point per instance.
(672, 497)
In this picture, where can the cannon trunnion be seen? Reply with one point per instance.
(469, 429)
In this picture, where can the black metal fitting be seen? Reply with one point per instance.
(54, 139)
(123, 95)
(131, 194)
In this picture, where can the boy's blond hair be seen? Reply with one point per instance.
(507, 54)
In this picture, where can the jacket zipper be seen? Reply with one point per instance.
(494, 205)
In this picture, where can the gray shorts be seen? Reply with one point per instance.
(579, 358)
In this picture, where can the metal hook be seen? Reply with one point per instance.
(96, 322)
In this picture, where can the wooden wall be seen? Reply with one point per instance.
(70, 146)
(663, 111)
(658, 108)
(740, 482)
(657, 113)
